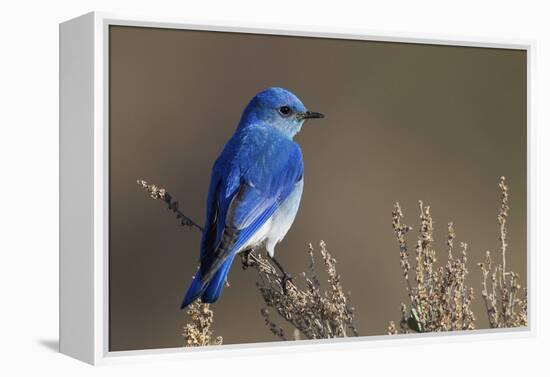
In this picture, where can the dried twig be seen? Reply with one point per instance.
(314, 312)
(156, 192)
(505, 302)
(439, 298)
(198, 332)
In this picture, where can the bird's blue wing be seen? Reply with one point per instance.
(199, 286)
(210, 230)
(245, 201)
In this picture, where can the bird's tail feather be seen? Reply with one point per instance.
(195, 290)
(215, 286)
(210, 290)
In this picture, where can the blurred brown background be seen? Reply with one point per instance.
(404, 122)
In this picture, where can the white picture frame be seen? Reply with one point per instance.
(84, 190)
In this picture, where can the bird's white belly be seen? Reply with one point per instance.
(275, 229)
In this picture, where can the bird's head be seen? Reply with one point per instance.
(279, 108)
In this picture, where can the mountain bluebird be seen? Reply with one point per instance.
(255, 189)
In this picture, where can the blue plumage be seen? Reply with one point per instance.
(255, 188)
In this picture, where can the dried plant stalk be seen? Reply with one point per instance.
(158, 193)
(315, 313)
(505, 301)
(439, 298)
(198, 332)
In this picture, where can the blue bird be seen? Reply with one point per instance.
(255, 189)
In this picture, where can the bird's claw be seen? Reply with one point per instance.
(246, 260)
(284, 280)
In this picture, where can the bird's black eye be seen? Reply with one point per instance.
(285, 110)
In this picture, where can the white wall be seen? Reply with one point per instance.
(29, 186)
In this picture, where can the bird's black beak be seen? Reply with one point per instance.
(312, 115)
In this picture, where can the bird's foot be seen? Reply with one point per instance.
(246, 259)
(286, 278)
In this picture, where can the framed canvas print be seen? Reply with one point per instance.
(229, 188)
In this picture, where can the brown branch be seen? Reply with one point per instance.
(504, 304)
(156, 192)
(312, 311)
(199, 331)
(439, 298)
